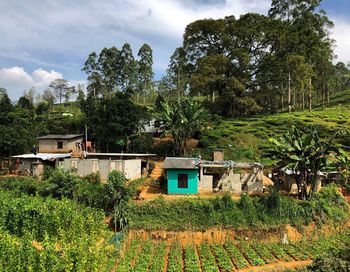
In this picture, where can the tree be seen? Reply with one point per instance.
(62, 89)
(182, 117)
(305, 153)
(145, 71)
(112, 121)
(48, 96)
(178, 72)
(5, 106)
(24, 103)
(128, 71)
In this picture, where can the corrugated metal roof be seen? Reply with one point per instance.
(120, 155)
(60, 137)
(181, 163)
(44, 156)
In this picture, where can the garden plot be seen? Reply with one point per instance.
(231, 256)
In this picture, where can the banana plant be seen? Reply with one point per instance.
(305, 153)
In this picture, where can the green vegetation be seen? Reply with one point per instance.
(249, 137)
(263, 212)
(236, 254)
(44, 234)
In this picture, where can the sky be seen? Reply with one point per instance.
(41, 40)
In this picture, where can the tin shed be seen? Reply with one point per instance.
(182, 175)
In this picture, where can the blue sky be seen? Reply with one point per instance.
(43, 40)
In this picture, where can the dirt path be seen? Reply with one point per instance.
(279, 266)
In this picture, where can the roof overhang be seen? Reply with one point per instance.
(43, 156)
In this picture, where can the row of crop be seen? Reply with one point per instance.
(127, 261)
(227, 257)
(191, 259)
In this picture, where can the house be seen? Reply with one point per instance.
(68, 143)
(193, 175)
(182, 175)
(33, 164)
(131, 164)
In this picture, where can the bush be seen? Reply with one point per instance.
(267, 211)
(338, 260)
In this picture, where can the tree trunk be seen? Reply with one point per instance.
(310, 94)
(302, 97)
(289, 95)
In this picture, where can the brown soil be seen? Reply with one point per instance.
(184, 237)
(191, 144)
(219, 235)
(279, 266)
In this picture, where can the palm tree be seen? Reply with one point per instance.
(304, 152)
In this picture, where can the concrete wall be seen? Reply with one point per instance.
(132, 169)
(232, 183)
(50, 146)
(84, 167)
(206, 183)
(172, 175)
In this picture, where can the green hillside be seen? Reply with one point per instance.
(246, 138)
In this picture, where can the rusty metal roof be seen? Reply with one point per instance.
(181, 163)
(60, 137)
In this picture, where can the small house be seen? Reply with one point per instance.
(182, 175)
(33, 164)
(193, 175)
(68, 143)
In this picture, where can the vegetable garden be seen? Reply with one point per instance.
(230, 256)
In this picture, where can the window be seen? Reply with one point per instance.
(59, 145)
(182, 181)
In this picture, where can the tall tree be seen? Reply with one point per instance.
(145, 71)
(128, 71)
(178, 72)
(62, 89)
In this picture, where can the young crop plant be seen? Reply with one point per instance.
(175, 258)
(143, 260)
(222, 258)
(295, 252)
(207, 259)
(264, 252)
(278, 252)
(158, 260)
(131, 254)
(237, 257)
(191, 259)
(250, 254)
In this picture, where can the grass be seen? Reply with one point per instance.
(249, 137)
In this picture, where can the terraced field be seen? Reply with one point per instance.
(234, 255)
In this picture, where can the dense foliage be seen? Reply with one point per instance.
(43, 234)
(264, 212)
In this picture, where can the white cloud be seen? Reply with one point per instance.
(340, 34)
(16, 80)
(60, 34)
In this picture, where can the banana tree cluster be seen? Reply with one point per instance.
(305, 153)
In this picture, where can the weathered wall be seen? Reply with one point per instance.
(50, 146)
(130, 168)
